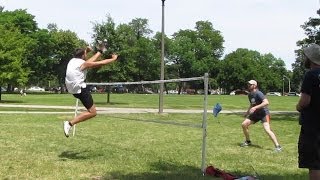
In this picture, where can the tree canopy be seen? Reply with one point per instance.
(242, 65)
(34, 56)
(312, 32)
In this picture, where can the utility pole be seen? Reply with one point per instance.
(162, 63)
(288, 82)
(282, 86)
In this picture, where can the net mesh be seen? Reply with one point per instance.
(171, 86)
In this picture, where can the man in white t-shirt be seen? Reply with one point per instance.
(75, 82)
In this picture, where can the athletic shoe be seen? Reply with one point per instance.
(278, 149)
(246, 144)
(66, 128)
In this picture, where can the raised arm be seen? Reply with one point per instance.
(94, 57)
(94, 64)
(101, 49)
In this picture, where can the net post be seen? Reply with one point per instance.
(204, 122)
(75, 114)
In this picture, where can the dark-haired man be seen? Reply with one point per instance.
(75, 82)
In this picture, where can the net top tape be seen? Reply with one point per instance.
(147, 82)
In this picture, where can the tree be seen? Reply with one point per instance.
(20, 19)
(271, 72)
(65, 42)
(242, 65)
(33, 55)
(41, 58)
(298, 71)
(144, 50)
(16, 27)
(170, 71)
(312, 32)
(13, 47)
(140, 27)
(195, 52)
(236, 68)
(106, 30)
(136, 61)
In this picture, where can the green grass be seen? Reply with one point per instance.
(135, 146)
(152, 101)
(14, 109)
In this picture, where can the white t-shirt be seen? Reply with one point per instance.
(75, 77)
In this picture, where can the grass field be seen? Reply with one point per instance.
(137, 146)
(284, 103)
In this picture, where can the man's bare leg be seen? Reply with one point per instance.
(90, 113)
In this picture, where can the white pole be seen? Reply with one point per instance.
(289, 85)
(289, 88)
(204, 123)
(162, 63)
(75, 114)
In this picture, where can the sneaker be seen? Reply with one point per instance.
(246, 143)
(278, 148)
(66, 128)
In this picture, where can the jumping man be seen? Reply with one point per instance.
(75, 82)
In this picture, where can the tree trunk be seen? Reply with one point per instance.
(108, 95)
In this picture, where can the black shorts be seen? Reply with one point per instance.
(258, 117)
(309, 148)
(85, 97)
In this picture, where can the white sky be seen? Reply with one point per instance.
(268, 26)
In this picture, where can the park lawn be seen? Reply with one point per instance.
(283, 103)
(32, 110)
(142, 146)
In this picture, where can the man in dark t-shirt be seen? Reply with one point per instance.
(258, 111)
(309, 108)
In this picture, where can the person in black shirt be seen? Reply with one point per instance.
(309, 108)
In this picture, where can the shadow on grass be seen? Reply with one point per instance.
(274, 117)
(285, 117)
(161, 170)
(171, 122)
(11, 101)
(110, 103)
(74, 155)
(251, 146)
(169, 170)
(302, 176)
